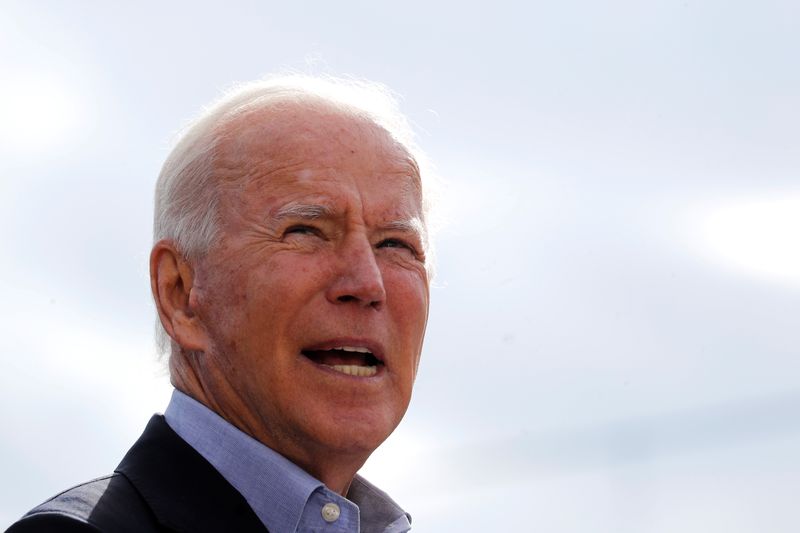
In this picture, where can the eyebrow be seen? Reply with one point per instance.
(296, 210)
(411, 225)
(304, 211)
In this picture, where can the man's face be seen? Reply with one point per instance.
(316, 298)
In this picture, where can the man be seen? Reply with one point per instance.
(289, 272)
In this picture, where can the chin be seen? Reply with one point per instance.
(352, 433)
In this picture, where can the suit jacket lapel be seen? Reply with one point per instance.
(184, 491)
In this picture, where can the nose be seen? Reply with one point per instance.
(358, 277)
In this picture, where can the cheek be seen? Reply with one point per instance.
(276, 292)
(221, 307)
(409, 302)
(297, 269)
(409, 291)
(234, 307)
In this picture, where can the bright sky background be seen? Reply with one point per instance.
(614, 341)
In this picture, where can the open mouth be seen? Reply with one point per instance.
(351, 360)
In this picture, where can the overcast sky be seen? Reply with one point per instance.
(613, 343)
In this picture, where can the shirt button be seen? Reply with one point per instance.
(330, 512)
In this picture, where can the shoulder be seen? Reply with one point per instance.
(109, 503)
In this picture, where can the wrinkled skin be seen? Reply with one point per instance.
(348, 270)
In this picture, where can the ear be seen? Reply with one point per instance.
(171, 280)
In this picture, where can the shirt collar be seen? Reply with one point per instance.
(283, 496)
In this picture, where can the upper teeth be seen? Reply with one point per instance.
(359, 349)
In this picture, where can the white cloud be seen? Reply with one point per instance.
(757, 237)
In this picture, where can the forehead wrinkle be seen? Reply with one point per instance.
(253, 151)
(236, 162)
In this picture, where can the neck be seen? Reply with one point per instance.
(337, 474)
(335, 469)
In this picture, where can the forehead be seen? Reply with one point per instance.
(297, 150)
(316, 134)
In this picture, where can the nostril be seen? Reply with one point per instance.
(349, 298)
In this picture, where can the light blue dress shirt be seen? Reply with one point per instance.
(284, 496)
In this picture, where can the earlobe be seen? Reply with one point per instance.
(172, 282)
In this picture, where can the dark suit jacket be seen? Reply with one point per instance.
(161, 485)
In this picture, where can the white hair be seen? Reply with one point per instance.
(186, 197)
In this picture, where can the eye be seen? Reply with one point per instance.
(397, 243)
(302, 229)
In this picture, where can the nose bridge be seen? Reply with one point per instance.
(359, 277)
